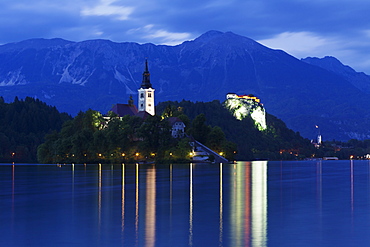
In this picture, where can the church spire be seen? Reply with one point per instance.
(146, 77)
(146, 93)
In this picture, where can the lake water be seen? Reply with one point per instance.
(305, 203)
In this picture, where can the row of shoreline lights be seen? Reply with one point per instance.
(136, 154)
(100, 155)
(123, 154)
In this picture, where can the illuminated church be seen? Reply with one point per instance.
(146, 105)
(146, 93)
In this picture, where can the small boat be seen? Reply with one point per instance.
(330, 158)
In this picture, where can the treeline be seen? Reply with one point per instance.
(91, 138)
(23, 126)
(351, 149)
(277, 142)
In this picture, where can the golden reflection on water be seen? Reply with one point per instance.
(99, 198)
(221, 224)
(13, 192)
(137, 203)
(248, 209)
(247, 203)
(319, 184)
(319, 192)
(238, 192)
(259, 203)
(150, 209)
(13, 184)
(171, 178)
(191, 206)
(352, 190)
(123, 199)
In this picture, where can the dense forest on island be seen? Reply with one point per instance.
(91, 138)
(23, 125)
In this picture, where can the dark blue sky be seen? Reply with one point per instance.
(339, 28)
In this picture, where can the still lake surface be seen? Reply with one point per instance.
(295, 203)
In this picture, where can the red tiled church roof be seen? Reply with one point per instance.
(124, 109)
(142, 114)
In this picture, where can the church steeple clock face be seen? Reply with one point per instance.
(146, 93)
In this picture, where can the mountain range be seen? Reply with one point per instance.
(96, 74)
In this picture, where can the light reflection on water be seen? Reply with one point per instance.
(311, 203)
(249, 204)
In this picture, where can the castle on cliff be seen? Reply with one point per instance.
(243, 105)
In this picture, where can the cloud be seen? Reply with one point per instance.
(162, 36)
(298, 43)
(106, 8)
(347, 49)
(40, 6)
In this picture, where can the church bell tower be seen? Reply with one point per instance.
(146, 93)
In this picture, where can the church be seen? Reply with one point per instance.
(146, 105)
(146, 93)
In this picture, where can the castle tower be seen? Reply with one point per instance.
(146, 93)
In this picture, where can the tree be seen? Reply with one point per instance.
(199, 130)
(215, 139)
(168, 111)
(155, 134)
(185, 119)
(25, 124)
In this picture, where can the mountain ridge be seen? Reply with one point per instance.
(332, 64)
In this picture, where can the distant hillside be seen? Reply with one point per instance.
(96, 74)
(358, 79)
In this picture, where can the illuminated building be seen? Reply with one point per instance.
(235, 96)
(146, 93)
(177, 127)
(244, 105)
(146, 105)
(319, 138)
